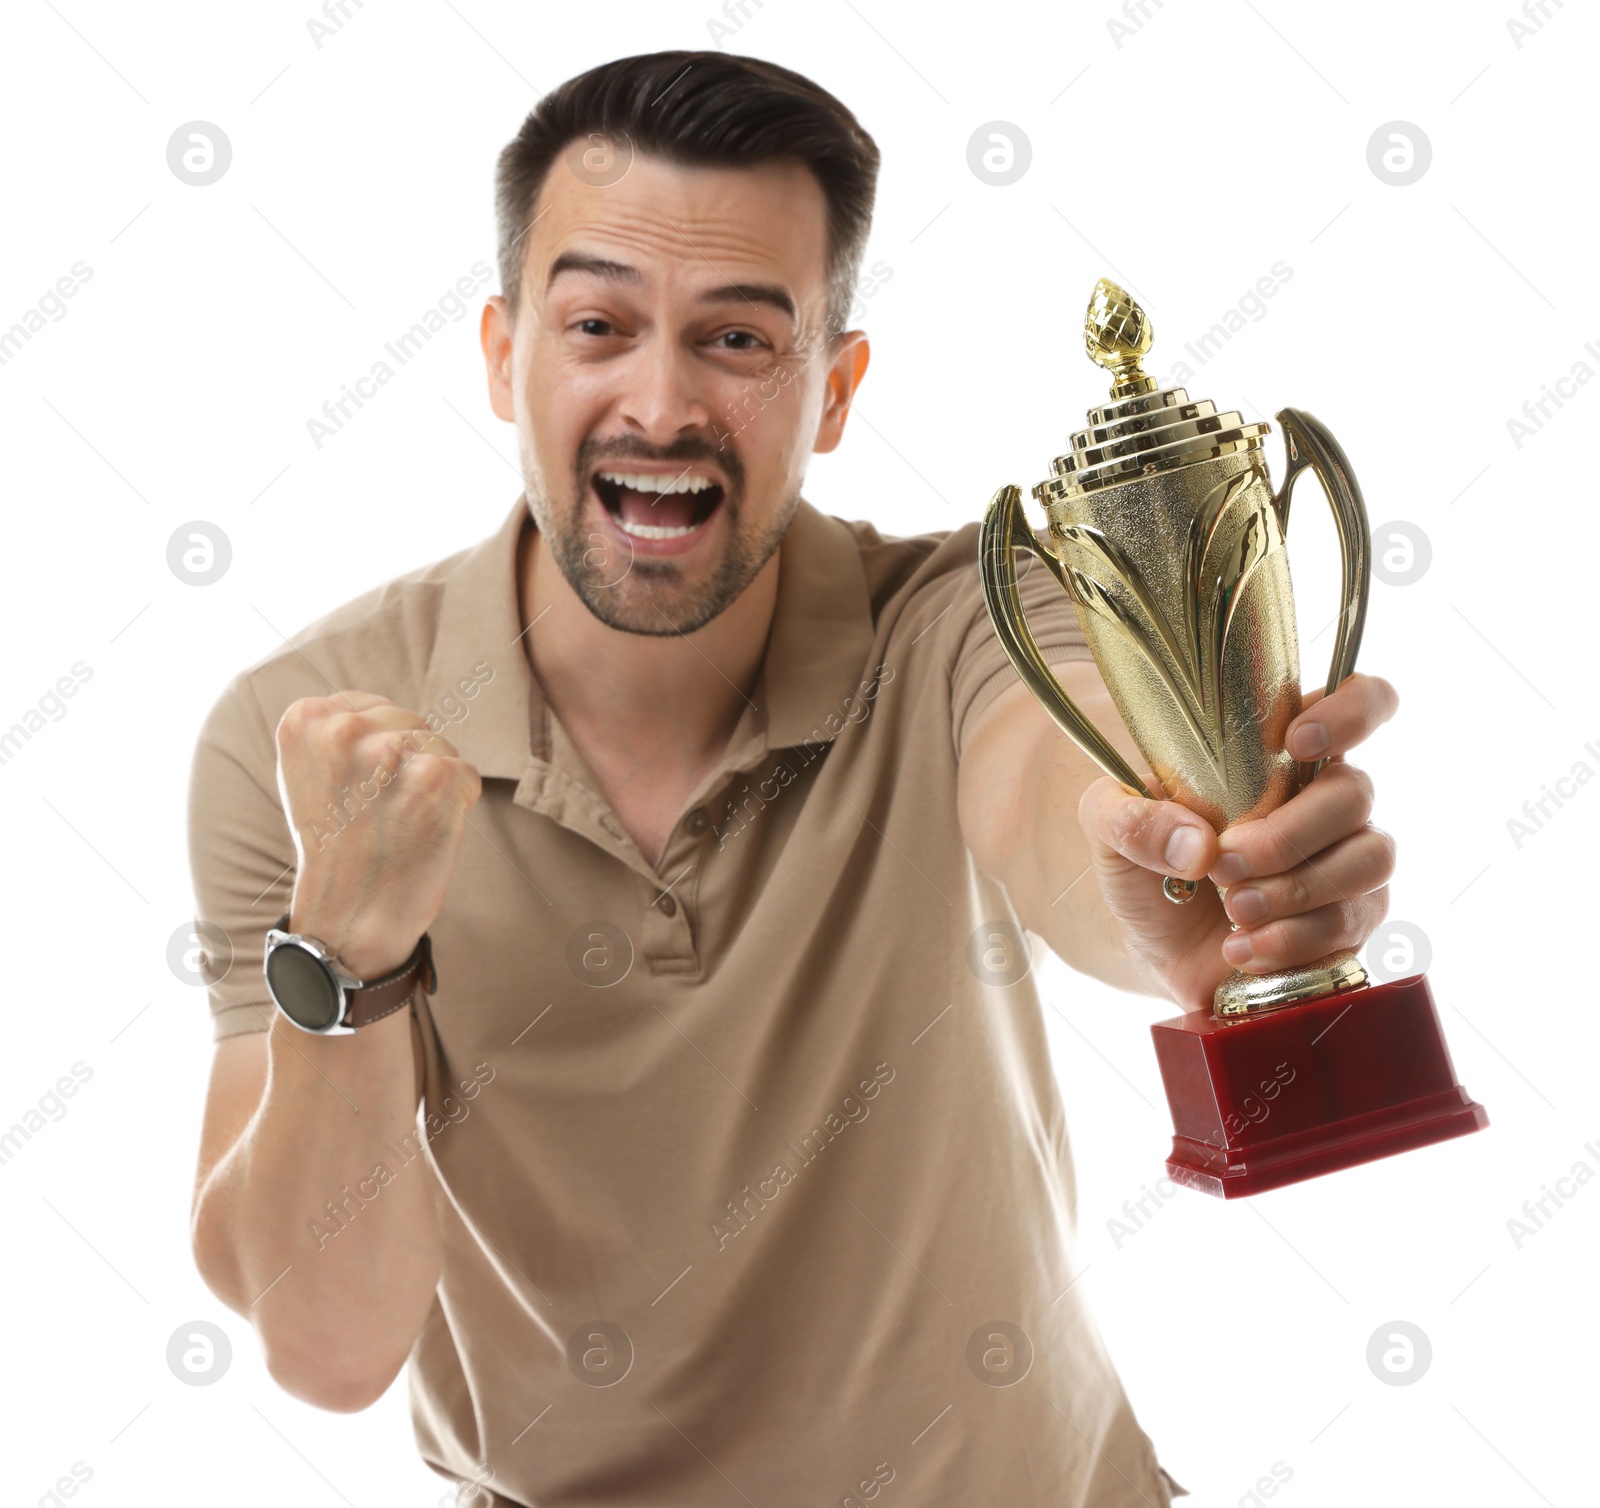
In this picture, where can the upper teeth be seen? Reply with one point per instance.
(658, 484)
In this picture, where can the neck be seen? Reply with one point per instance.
(667, 700)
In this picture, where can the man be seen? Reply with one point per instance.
(741, 1173)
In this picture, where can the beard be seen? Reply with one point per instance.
(642, 594)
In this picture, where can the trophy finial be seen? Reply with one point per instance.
(1116, 333)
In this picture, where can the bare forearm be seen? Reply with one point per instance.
(318, 1224)
(1046, 868)
(1055, 895)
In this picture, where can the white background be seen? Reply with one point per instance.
(1216, 140)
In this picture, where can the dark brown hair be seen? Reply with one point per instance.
(708, 109)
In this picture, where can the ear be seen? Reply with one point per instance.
(845, 371)
(494, 335)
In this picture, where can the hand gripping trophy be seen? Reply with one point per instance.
(1168, 537)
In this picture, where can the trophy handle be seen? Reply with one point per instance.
(1308, 442)
(1005, 528)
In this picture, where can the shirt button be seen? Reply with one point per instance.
(698, 822)
(666, 905)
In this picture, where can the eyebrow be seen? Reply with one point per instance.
(771, 294)
(752, 293)
(580, 261)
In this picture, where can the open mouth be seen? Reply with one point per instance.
(657, 506)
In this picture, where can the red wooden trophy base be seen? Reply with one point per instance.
(1261, 1101)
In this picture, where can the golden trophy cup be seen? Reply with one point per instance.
(1166, 533)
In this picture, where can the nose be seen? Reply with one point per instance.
(663, 397)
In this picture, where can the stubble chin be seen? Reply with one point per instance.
(644, 595)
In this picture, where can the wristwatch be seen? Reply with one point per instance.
(318, 994)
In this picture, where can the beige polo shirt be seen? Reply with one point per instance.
(756, 1185)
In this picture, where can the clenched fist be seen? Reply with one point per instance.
(378, 806)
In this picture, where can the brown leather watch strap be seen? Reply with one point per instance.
(376, 998)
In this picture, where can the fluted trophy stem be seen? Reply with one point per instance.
(1166, 533)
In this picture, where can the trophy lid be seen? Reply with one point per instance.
(1145, 428)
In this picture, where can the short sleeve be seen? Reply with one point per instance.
(241, 857)
(982, 670)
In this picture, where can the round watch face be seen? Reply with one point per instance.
(301, 984)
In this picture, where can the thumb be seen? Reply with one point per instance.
(1156, 835)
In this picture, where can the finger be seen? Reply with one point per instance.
(421, 735)
(381, 716)
(1352, 867)
(358, 701)
(346, 701)
(348, 710)
(405, 741)
(1335, 805)
(452, 779)
(1297, 940)
(1334, 724)
(1161, 836)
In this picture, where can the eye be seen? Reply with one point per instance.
(596, 327)
(748, 340)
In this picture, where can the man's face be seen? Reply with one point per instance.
(668, 372)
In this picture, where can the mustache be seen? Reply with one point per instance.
(685, 452)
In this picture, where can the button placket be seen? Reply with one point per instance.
(668, 935)
(668, 938)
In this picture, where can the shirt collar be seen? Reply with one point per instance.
(817, 648)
